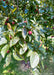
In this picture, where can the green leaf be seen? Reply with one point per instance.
(5, 71)
(15, 20)
(4, 20)
(4, 50)
(8, 59)
(16, 57)
(30, 46)
(0, 58)
(29, 53)
(42, 63)
(34, 22)
(53, 42)
(42, 49)
(3, 41)
(36, 72)
(20, 43)
(23, 50)
(30, 38)
(19, 30)
(34, 59)
(14, 41)
(24, 33)
(25, 47)
(36, 35)
(11, 32)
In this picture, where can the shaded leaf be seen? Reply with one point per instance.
(24, 33)
(0, 58)
(42, 30)
(30, 46)
(42, 49)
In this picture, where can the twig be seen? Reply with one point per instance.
(17, 5)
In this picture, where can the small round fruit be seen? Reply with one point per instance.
(7, 19)
(7, 2)
(52, 36)
(53, 17)
(46, 48)
(45, 22)
(10, 37)
(38, 12)
(3, 0)
(25, 21)
(24, 26)
(25, 42)
(13, 23)
(36, 9)
(30, 32)
(5, 23)
(52, 27)
(8, 51)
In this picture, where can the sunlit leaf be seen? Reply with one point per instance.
(5, 71)
(14, 41)
(8, 59)
(14, 10)
(11, 32)
(3, 41)
(4, 20)
(29, 53)
(34, 59)
(23, 50)
(33, 21)
(16, 56)
(4, 50)
(36, 72)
